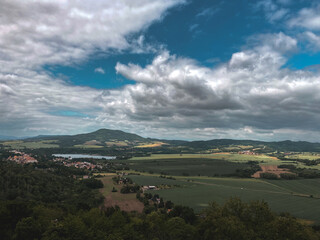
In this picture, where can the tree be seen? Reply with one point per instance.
(178, 229)
(186, 213)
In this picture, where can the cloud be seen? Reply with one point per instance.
(193, 27)
(250, 96)
(62, 32)
(208, 12)
(313, 40)
(38, 33)
(99, 70)
(307, 18)
(284, 2)
(273, 11)
(251, 91)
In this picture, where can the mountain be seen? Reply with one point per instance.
(7, 138)
(101, 137)
(299, 146)
(3, 138)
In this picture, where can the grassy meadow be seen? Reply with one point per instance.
(187, 166)
(127, 202)
(301, 198)
(306, 155)
(217, 164)
(30, 145)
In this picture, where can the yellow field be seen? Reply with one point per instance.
(87, 146)
(117, 143)
(307, 156)
(157, 144)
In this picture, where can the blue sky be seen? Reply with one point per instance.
(176, 69)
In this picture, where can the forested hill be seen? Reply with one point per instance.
(280, 146)
(99, 137)
(106, 138)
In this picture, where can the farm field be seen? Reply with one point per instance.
(306, 155)
(218, 164)
(232, 157)
(87, 146)
(156, 180)
(187, 166)
(291, 196)
(126, 202)
(33, 145)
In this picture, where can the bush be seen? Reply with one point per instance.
(288, 176)
(267, 175)
(129, 189)
(93, 183)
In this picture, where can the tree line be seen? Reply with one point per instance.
(42, 204)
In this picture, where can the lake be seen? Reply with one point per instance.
(83, 156)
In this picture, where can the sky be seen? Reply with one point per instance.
(168, 69)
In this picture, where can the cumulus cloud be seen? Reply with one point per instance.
(307, 21)
(44, 32)
(99, 70)
(250, 96)
(251, 91)
(38, 33)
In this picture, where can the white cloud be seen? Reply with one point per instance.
(99, 70)
(44, 32)
(313, 39)
(273, 11)
(308, 18)
(208, 12)
(37, 33)
(250, 96)
(252, 91)
(193, 27)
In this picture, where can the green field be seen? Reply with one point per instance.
(308, 156)
(155, 181)
(187, 166)
(232, 157)
(282, 195)
(33, 145)
(305, 156)
(197, 164)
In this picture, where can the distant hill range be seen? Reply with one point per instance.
(101, 137)
(106, 138)
(3, 138)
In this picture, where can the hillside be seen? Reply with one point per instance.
(101, 137)
(300, 146)
(106, 139)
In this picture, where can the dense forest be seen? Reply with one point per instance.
(40, 203)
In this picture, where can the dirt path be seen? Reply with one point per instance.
(270, 169)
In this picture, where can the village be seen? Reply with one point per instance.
(82, 165)
(21, 158)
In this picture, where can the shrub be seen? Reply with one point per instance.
(267, 175)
